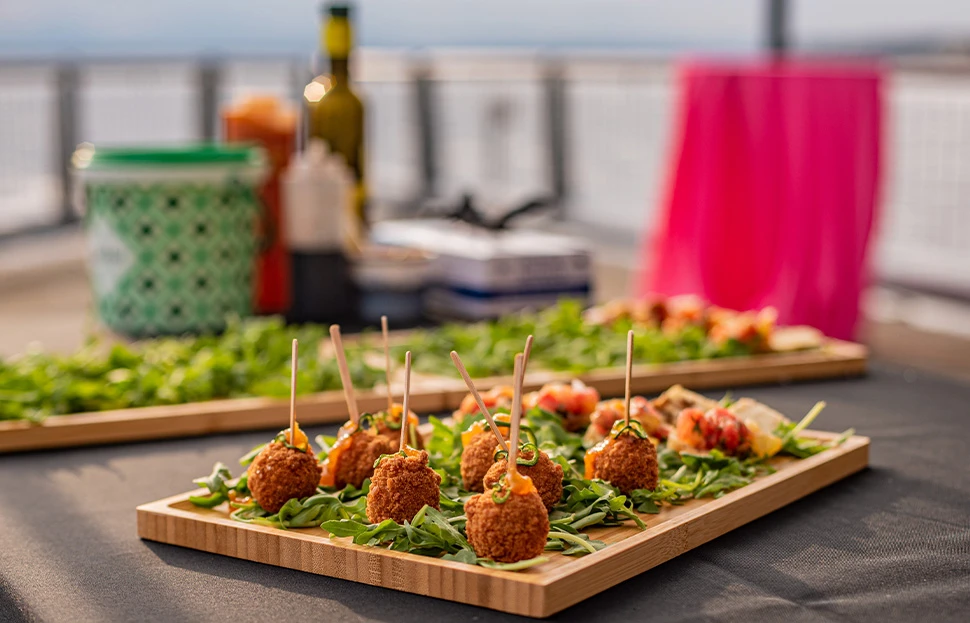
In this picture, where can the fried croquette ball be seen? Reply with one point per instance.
(401, 486)
(355, 463)
(383, 427)
(545, 475)
(513, 530)
(278, 474)
(476, 459)
(627, 462)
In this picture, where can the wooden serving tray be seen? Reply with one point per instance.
(538, 592)
(428, 394)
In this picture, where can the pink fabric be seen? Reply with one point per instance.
(772, 190)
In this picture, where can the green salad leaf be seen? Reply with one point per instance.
(563, 342)
(251, 358)
(584, 504)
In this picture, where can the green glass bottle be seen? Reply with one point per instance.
(336, 112)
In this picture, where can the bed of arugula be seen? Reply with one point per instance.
(585, 503)
(252, 358)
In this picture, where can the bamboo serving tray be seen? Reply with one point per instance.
(538, 592)
(428, 394)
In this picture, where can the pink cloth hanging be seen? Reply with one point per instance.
(772, 190)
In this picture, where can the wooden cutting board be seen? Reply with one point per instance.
(538, 592)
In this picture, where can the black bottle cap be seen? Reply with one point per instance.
(337, 10)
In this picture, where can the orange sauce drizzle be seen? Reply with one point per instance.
(481, 426)
(590, 459)
(410, 452)
(302, 442)
(394, 414)
(329, 476)
(519, 483)
(234, 500)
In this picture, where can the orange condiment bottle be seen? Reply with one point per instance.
(272, 125)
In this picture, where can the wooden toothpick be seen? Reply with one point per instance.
(293, 396)
(629, 373)
(478, 400)
(387, 364)
(526, 353)
(516, 413)
(407, 400)
(345, 378)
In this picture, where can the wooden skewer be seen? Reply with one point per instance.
(516, 414)
(525, 359)
(526, 353)
(345, 378)
(478, 399)
(629, 373)
(405, 424)
(293, 396)
(387, 364)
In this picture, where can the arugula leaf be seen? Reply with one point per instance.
(580, 543)
(216, 481)
(804, 447)
(251, 358)
(563, 342)
(512, 566)
(466, 556)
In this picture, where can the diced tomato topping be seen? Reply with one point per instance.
(717, 429)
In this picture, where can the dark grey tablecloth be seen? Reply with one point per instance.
(891, 543)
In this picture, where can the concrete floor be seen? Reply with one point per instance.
(45, 302)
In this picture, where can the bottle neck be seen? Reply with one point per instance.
(336, 42)
(340, 70)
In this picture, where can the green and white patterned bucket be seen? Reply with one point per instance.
(172, 235)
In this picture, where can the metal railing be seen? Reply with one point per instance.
(591, 131)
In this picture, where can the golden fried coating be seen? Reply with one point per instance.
(401, 486)
(545, 475)
(356, 462)
(508, 532)
(628, 462)
(477, 458)
(278, 474)
(394, 435)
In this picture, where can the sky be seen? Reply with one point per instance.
(192, 27)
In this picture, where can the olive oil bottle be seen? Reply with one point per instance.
(336, 113)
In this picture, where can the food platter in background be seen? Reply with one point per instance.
(835, 359)
(793, 354)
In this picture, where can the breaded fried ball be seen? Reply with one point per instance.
(476, 459)
(514, 530)
(545, 474)
(356, 462)
(394, 434)
(401, 486)
(628, 462)
(278, 474)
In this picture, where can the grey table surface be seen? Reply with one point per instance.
(890, 543)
